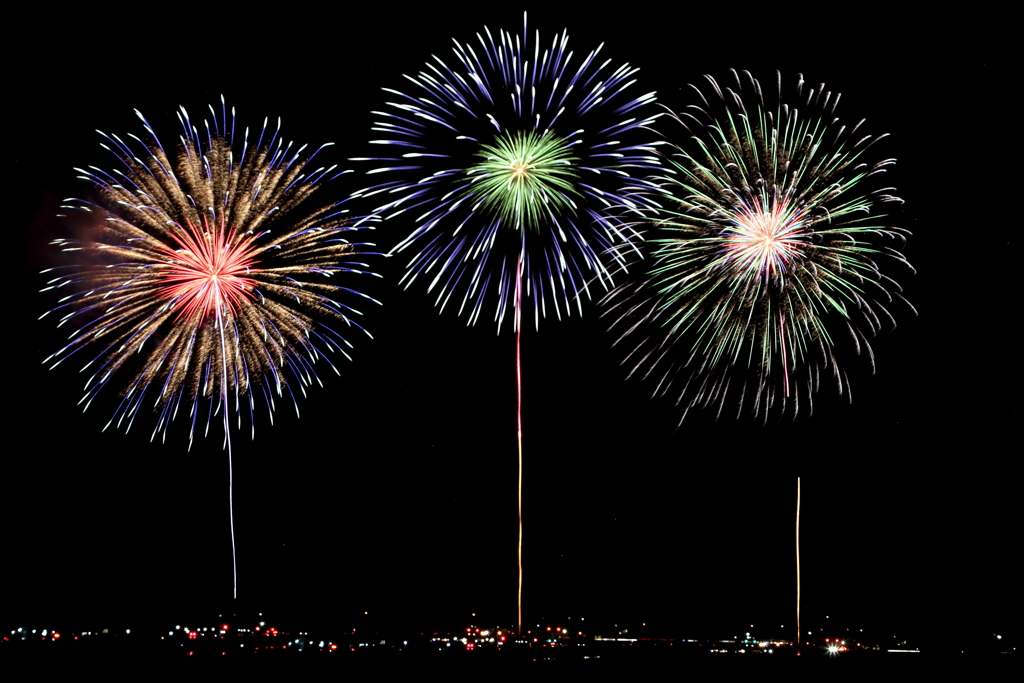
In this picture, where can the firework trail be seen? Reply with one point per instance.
(206, 282)
(765, 252)
(517, 163)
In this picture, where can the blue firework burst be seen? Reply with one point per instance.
(515, 153)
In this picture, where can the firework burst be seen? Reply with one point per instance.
(208, 269)
(766, 251)
(206, 285)
(515, 154)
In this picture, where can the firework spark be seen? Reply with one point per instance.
(206, 283)
(767, 249)
(515, 148)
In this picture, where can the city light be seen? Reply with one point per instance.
(476, 639)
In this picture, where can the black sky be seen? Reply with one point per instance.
(394, 493)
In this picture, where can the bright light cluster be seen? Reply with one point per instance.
(525, 179)
(207, 273)
(764, 240)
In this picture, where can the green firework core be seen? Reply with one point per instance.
(525, 179)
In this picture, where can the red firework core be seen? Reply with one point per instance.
(207, 273)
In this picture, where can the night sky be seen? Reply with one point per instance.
(394, 492)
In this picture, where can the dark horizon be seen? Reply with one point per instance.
(394, 492)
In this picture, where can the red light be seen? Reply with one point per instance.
(334, 647)
(192, 635)
(549, 628)
(224, 627)
(503, 638)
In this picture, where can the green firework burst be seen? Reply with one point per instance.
(525, 179)
(766, 252)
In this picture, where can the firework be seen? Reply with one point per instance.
(516, 166)
(207, 286)
(512, 154)
(766, 251)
